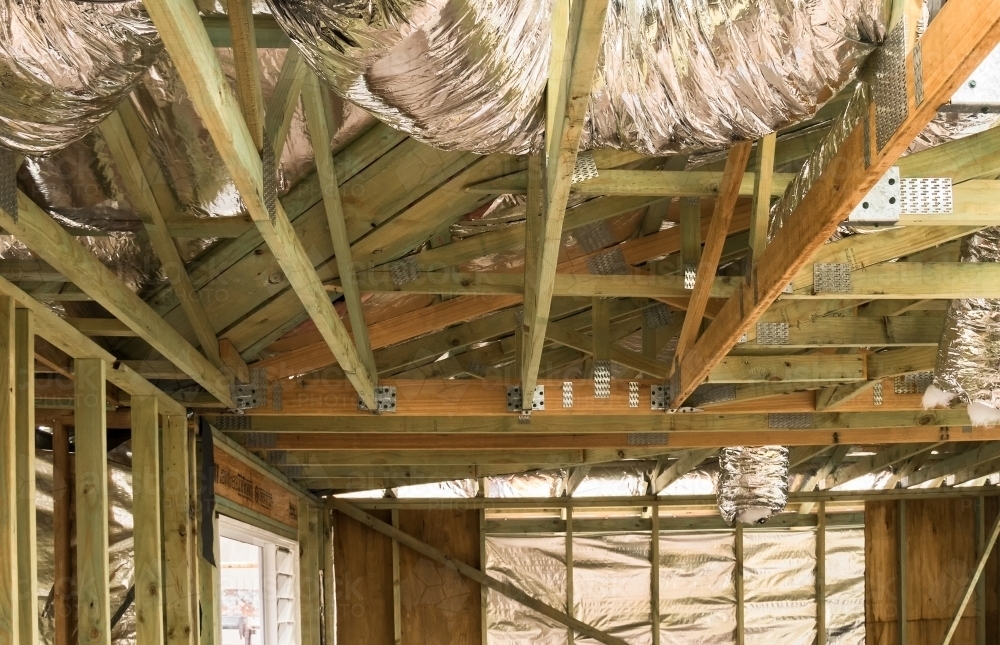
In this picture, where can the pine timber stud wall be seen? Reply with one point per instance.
(437, 605)
(940, 555)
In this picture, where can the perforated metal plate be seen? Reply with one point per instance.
(831, 277)
(918, 73)
(276, 457)
(8, 182)
(253, 394)
(772, 333)
(883, 203)
(926, 195)
(790, 420)
(385, 399)
(270, 181)
(404, 271)
(594, 237)
(585, 168)
(712, 393)
(658, 315)
(261, 440)
(567, 394)
(277, 397)
(648, 439)
(912, 383)
(658, 397)
(611, 262)
(690, 274)
(514, 403)
(633, 394)
(889, 86)
(229, 422)
(602, 379)
(877, 393)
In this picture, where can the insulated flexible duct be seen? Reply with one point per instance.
(753, 483)
(469, 74)
(64, 66)
(968, 359)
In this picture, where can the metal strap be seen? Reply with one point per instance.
(602, 379)
(404, 271)
(772, 333)
(567, 394)
(831, 277)
(926, 195)
(585, 167)
(633, 394)
(889, 89)
(8, 182)
(790, 420)
(270, 181)
(648, 439)
(611, 262)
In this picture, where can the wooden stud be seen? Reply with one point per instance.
(92, 573)
(601, 329)
(690, 216)
(654, 556)
(397, 602)
(148, 534)
(762, 195)
(738, 582)
(232, 359)
(317, 108)
(902, 595)
(736, 164)
(309, 572)
(209, 587)
(980, 529)
(27, 550)
(821, 574)
(63, 608)
(178, 534)
(329, 580)
(570, 595)
(9, 553)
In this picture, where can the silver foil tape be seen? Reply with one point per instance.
(753, 483)
(64, 66)
(969, 351)
(469, 74)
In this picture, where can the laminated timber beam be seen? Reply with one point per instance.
(577, 30)
(51, 242)
(472, 573)
(66, 338)
(190, 48)
(961, 35)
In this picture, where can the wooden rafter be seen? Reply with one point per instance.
(951, 48)
(189, 46)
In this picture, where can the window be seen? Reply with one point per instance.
(259, 590)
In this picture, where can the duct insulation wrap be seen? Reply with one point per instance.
(470, 74)
(753, 483)
(968, 359)
(64, 66)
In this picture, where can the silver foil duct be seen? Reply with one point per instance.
(469, 74)
(753, 483)
(968, 360)
(64, 66)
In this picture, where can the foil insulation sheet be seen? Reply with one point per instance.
(753, 483)
(969, 352)
(64, 66)
(620, 479)
(470, 74)
(119, 537)
(697, 586)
